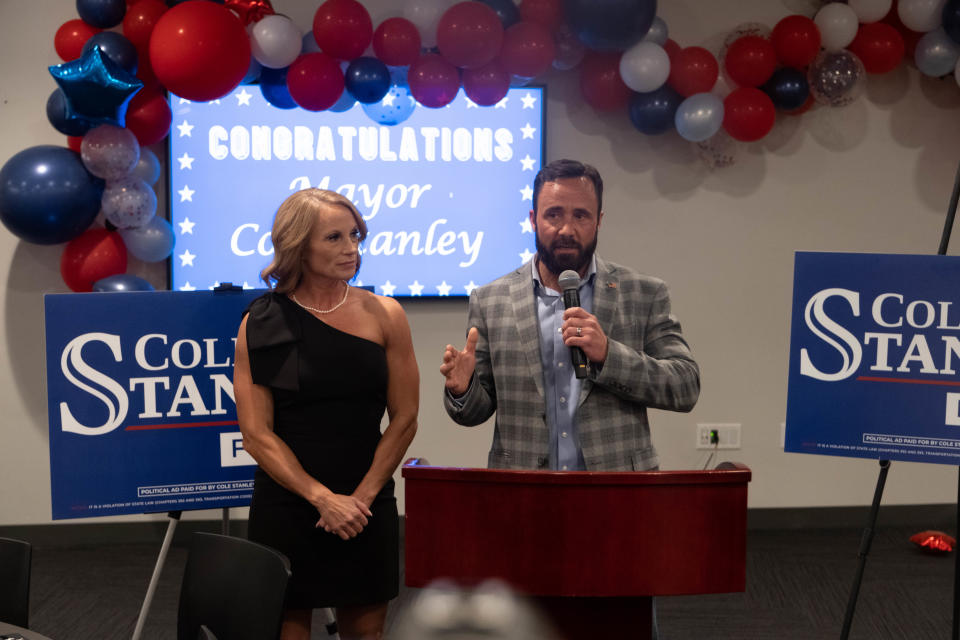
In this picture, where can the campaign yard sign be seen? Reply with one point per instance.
(874, 353)
(140, 400)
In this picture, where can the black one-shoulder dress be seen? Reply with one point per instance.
(329, 394)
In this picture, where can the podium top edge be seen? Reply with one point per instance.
(735, 473)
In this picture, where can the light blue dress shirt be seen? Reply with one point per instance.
(561, 387)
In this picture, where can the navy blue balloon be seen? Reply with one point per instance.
(47, 196)
(787, 88)
(273, 86)
(57, 115)
(102, 13)
(951, 20)
(367, 80)
(122, 282)
(506, 10)
(654, 112)
(116, 47)
(610, 25)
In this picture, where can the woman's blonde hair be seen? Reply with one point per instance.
(291, 231)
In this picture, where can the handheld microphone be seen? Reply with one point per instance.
(570, 283)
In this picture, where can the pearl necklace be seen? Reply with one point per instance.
(331, 309)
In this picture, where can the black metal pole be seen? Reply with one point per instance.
(951, 214)
(865, 542)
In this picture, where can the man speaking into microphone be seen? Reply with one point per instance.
(570, 350)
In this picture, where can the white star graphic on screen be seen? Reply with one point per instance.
(416, 289)
(528, 131)
(246, 285)
(388, 288)
(502, 104)
(186, 258)
(387, 100)
(358, 283)
(527, 162)
(186, 162)
(526, 193)
(528, 101)
(525, 226)
(525, 256)
(214, 285)
(217, 101)
(186, 194)
(186, 226)
(444, 288)
(186, 129)
(243, 98)
(471, 104)
(188, 287)
(183, 101)
(470, 286)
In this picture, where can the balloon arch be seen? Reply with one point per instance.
(110, 101)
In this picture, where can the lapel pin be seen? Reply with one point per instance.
(611, 285)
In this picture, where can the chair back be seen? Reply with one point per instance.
(15, 556)
(234, 587)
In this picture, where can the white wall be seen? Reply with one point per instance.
(873, 177)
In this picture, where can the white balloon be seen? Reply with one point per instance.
(658, 32)
(838, 26)
(870, 10)
(644, 67)
(275, 41)
(425, 14)
(921, 15)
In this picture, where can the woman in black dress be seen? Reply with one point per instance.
(317, 363)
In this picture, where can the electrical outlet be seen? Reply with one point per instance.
(728, 435)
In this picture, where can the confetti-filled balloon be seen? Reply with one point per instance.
(128, 202)
(110, 152)
(836, 78)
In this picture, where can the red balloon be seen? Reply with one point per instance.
(796, 41)
(93, 255)
(672, 49)
(139, 20)
(342, 28)
(910, 37)
(750, 61)
(748, 114)
(527, 50)
(74, 142)
(486, 85)
(469, 34)
(693, 70)
(148, 116)
(879, 46)
(434, 82)
(396, 42)
(199, 50)
(70, 38)
(250, 11)
(315, 81)
(549, 13)
(600, 81)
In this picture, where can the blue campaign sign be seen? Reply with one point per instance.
(445, 193)
(874, 353)
(140, 400)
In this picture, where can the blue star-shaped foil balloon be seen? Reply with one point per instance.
(97, 89)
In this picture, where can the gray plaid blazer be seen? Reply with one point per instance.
(648, 365)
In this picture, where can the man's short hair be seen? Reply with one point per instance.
(568, 169)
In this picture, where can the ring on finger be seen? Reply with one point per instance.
(579, 331)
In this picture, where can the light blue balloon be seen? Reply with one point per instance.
(121, 282)
(658, 32)
(148, 167)
(395, 107)
(699, 117)
(344, 103)
(309, 44)
(152, 242)
(936, 53)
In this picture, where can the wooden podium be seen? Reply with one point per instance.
(593, 548)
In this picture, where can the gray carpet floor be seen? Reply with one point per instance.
(798, 583)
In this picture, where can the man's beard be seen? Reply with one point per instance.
(555, 264)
